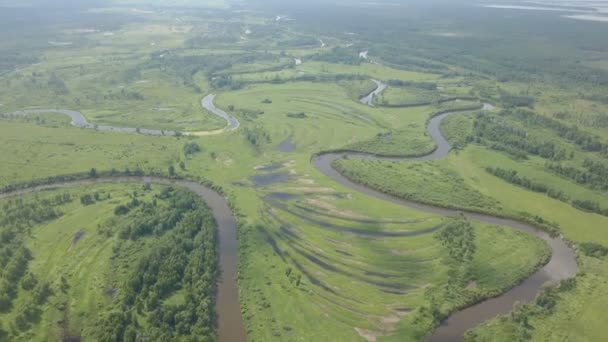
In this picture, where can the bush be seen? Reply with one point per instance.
(299, 115)
(191, 148)
(592, 249)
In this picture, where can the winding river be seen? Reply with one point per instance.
(369, 98)
(230, 326)
(562, 264)
(80, 121)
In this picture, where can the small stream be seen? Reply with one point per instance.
(369, 98)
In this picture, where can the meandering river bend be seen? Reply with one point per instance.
(80, 121)
(230, 326)
(562, 264)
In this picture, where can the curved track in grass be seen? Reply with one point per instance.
(78, 120)
(230, 326)
(562, 264)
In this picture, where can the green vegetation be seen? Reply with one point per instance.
(394, 143)
(115, 277)
(354, 266)
(428, 182)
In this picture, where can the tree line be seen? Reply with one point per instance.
(500, 135)
(511, 176)
(585, 140)
(17, 218)
(592, 174)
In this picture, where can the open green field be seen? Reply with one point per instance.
(318, 261)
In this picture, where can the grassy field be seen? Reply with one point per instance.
(318, 261)
(340, 256)
(465, 182)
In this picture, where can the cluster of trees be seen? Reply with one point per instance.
(17, 217)
(183, 259)
(512, 101)
(31, 311)
(123, 95)
(191, 148)
(226, 82)
(14, 265)
(88, 199)
(572, 133)
(185, 67)
(57, 86)
(298, 115)
(593, 174)
(295, 278)
(10, 59)
(593, 249)
(419, 85)
(256, 137)
(512, 177)
(517, 142)
(458, 239)
(215, 67)
(591, 206)
(144, 218)
(248, 114)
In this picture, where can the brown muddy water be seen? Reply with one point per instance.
(230, 326)
(562, 264)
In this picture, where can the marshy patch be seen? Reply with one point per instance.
(287, 146)
(267, 179)
(79, 235)
(268, 168)
(281, 196)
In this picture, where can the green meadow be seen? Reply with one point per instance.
(318, 260)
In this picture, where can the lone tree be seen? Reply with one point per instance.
(93, 173)
(171, 170)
